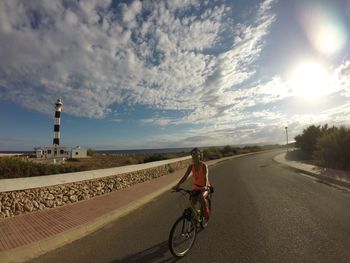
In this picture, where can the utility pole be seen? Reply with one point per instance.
(287, 136)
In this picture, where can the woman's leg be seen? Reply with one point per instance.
(194, 199)
(202, 200)
(204, 204)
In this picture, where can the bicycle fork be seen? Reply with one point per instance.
(186, 223)
(186, 228)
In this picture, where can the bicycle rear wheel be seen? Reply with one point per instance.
(182, 236)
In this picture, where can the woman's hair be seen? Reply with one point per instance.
(197, 150)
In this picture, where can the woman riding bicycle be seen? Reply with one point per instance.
(201, 183)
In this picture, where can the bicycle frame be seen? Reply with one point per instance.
(194, 210)
(197, 211)
(191, 212)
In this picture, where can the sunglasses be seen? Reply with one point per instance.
(195, 154)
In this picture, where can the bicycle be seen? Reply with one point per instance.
(184, 231)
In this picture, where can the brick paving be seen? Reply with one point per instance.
(29, 228)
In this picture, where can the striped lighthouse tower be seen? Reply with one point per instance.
(57, 122)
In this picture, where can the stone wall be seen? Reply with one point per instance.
(25, 201)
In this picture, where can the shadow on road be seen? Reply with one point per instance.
(156, 253)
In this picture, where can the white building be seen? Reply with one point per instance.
(53, 151)
(78, 152)
(59, 151)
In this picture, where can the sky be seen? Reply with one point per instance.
(171, 74)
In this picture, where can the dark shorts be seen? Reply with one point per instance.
(197, 193)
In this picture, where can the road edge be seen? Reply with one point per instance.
(280, 158)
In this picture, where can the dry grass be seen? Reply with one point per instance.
(23, 166)
(102, 161)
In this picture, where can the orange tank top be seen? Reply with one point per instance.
(199, 177)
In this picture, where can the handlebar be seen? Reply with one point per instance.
(190, 192)
(183, 190)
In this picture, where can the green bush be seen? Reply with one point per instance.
(91, 152)
(155, 157)
(333, 148)
(217, 153)
(73, 160)
(228, 151)
(15, 168)
(212, 153)
(249, 149)
(308, 139)
(297, 155)
(329, 147)
(128, 161)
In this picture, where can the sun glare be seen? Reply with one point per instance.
(323, 27)
(310, 80)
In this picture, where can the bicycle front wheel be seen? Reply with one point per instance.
(182, 236)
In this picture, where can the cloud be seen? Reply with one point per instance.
(193, 57)
(344, 69)
(95, 54)
(130, 12)
(157, 121)
(209, 136)
(338, 115)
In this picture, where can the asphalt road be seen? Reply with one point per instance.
(262, 212)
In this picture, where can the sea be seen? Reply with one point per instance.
(138, 151)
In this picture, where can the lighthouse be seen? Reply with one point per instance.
(57, 122)
(56, 151)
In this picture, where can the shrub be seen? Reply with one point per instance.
(72, 169)
(308, 139)
(333, 148)
(297, 155)
(249, 149)
(212, 153)
(91, 152)
(15, 168)
(128, 161)
(73, 160)
(155, 157)
(228, 151)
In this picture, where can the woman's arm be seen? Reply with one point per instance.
(205, 168)
(184, 178)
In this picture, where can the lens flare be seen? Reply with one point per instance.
(324, 28)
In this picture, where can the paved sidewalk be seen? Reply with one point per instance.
(30, 235)
(331, 176)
